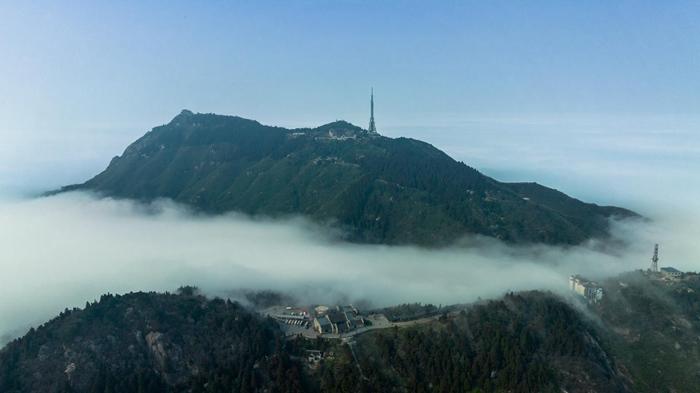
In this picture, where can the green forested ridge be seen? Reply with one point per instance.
(643, 337)
(148, 342)
(377, 189)
(529, 342)
(653, 327)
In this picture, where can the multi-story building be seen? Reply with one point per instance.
(590, 290)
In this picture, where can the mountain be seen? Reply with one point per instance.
(374, 188)
(642, 337)
(149, 342)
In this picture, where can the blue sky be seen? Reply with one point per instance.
(79, 81)
(317, 60)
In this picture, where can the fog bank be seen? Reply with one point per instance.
(65, 250)
(62, 251)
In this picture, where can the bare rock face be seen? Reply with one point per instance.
(154, 340)
(70, 369)
(168, 358)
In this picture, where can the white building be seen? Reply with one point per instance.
(671, 272)
(588, 289)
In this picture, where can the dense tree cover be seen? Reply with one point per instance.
(642, 337)
(523, 343)
(375, 189)
(408, 311)
(653, 326)
(146, 342)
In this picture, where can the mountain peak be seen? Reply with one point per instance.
(339, 123)
(183, 115)
(340, 127)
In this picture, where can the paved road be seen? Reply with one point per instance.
(378, 322)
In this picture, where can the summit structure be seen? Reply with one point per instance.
(655, 260)
(372, 128)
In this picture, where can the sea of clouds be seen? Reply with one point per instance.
(64, 250)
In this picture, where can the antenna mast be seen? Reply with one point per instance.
(655, 259)
(372, 128)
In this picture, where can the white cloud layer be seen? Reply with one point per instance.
(64, 250)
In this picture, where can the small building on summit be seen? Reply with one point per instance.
(671, 272)
(590, 290)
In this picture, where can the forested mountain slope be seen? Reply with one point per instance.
(525, 342)
(653, 327)
(643, 337)
(376, 189)
(148, 342)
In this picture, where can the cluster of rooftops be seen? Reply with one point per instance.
(322, 319)
(337, 320)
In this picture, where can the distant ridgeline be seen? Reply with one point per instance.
(376, 189)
